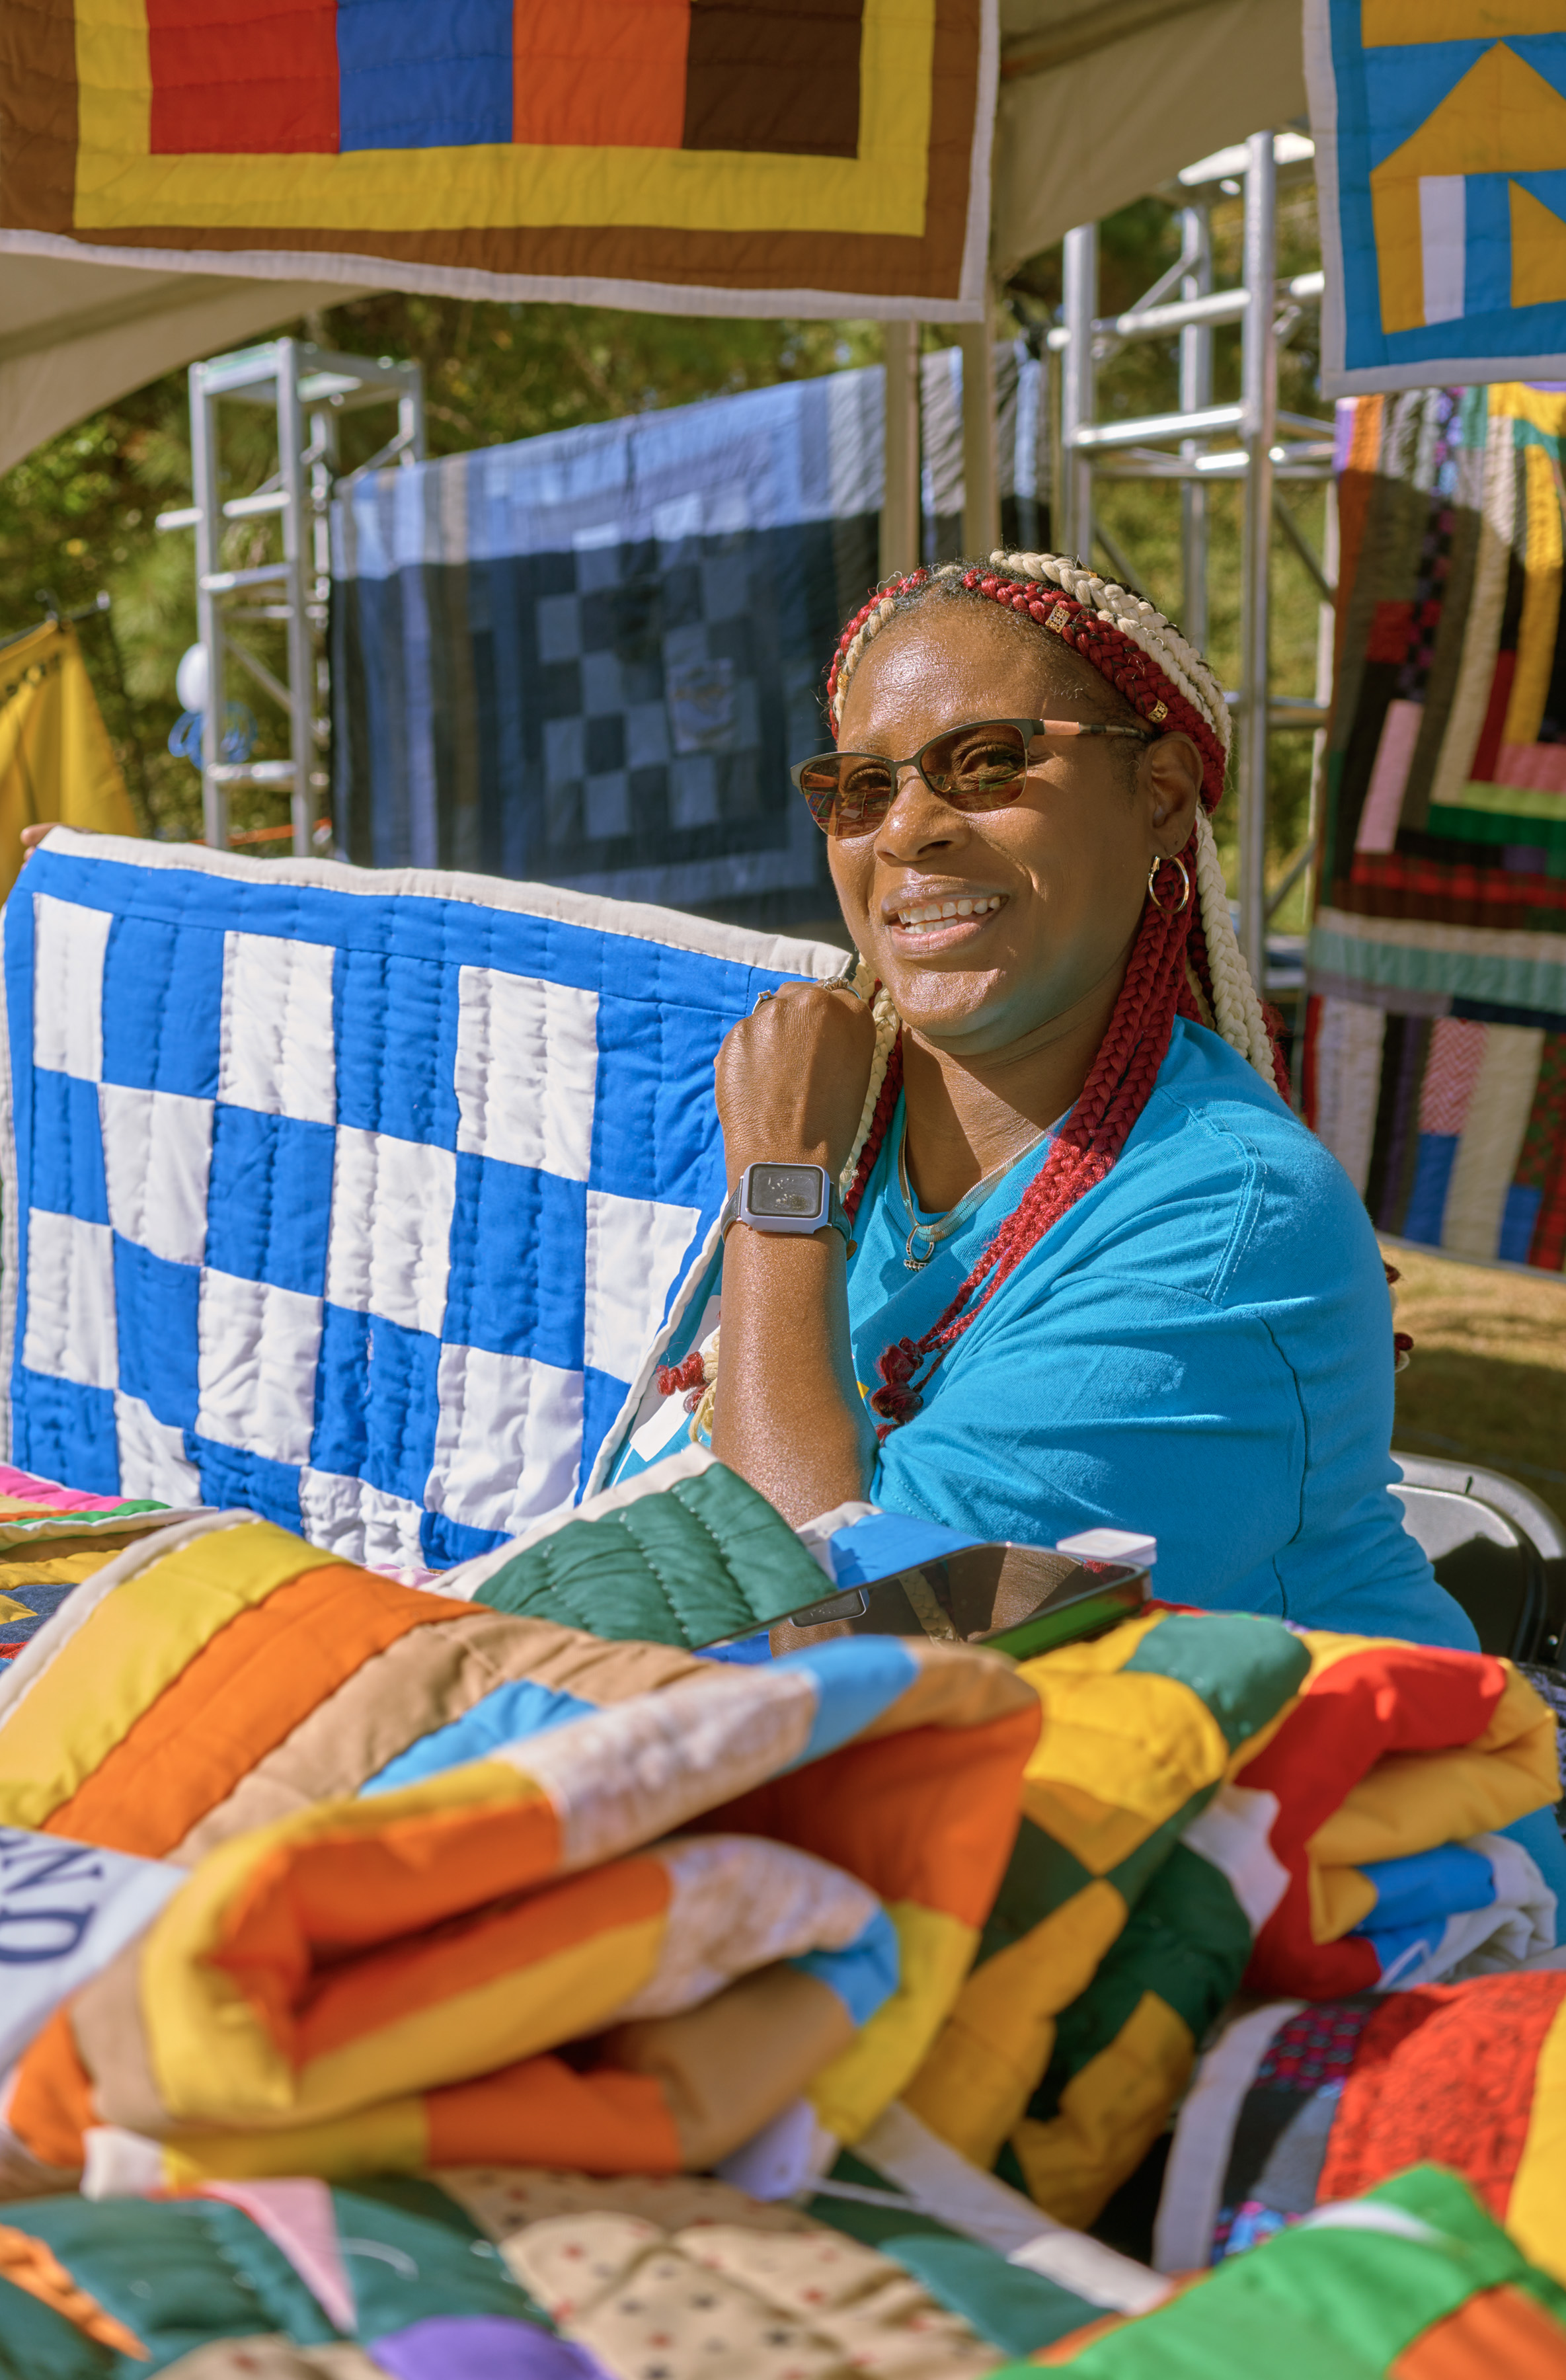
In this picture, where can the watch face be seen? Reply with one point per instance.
(791, 1190)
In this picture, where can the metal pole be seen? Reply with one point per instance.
(298, 543)
(1326, 640)
(899, 497)
(209, 517)
(1258, 377)
(410, 425)
(981, 485)
(1080, 293)
(324, 445)
(1195, 391)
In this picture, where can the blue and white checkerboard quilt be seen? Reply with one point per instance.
(356, 1198)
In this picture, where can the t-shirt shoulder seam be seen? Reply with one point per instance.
(1248, 1192)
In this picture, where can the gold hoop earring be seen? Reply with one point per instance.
(1184, 901)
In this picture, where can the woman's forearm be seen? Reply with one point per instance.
(791, 1082)
(788, 1414)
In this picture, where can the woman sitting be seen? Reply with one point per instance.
(1100, 1274)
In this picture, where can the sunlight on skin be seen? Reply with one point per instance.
(1006, 1009)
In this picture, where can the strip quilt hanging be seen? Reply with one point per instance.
(1440, 162)
(698, 156)
(353, 1199)
(1436, 1029)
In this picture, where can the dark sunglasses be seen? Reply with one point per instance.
(980, 767)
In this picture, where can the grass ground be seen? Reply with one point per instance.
(1488, 1378)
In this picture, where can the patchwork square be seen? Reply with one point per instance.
(270, 1198)
(362, 1523)
(68, 946)
(509, 1441)
(375, 1401)
(71, 1330)
(237, 1478)
(257, 1366)
(389, 1247)
(634, 1248)
(277, 1052)
(526, 1070)
(152, 1461)
(517, 1280)
(157, 1308)
(66, 1431)
(162, 1006)
(396, 1035)
(157, 1151)
(68, 1147)
(413, 77)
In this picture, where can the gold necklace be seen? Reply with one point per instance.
(945, 1225)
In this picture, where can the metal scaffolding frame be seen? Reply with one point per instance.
(309, 389)
(1261, 446)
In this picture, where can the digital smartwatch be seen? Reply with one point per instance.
(793, 1200)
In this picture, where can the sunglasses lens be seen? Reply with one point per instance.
(849, 792)
(978, 768)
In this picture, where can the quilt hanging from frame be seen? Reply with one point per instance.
(589, 658)
(1436, 1028)
(697, 157)
(1440, 159)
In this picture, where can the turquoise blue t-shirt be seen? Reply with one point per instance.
(1200, 1349)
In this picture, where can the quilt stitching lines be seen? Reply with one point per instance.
(358, 1212)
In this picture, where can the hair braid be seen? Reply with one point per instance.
(861, 1164)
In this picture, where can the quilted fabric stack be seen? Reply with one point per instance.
(345, 1812)
(1299, 2103)
(350, 1924)
(337, 1973)
(1214, 1800)
(1436, 1030)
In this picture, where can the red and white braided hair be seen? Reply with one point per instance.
(1184, 961)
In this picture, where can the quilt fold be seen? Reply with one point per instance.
(350, 1875)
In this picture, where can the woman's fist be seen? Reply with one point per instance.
(792, 1079)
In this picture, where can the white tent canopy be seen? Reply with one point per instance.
(74, 335)
(1096, 108)
(1099, 106)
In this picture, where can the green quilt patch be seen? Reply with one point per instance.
(701, 1560)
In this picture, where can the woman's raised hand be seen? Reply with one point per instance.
(792, 1078)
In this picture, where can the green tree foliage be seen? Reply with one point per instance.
(77, 515)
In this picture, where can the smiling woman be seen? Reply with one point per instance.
(1098, 1273)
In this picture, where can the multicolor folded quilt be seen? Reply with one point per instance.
(562, 1837)
(308, 1872)
(512, 2273)
(349, 1811)
(51, 1538)
(1389, 1750)
(1201, 1791)
(1297, 2103)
